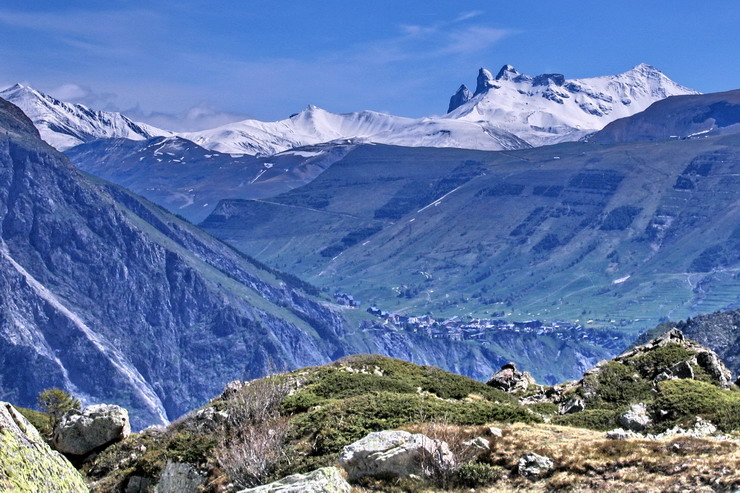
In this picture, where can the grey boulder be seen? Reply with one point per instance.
(81, 432)
(636, 418)
(532, 465)
(396, 454)
(324, 480)
(179, 477)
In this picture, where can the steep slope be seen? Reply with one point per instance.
(314, 125)
(548, 108)
(569, 232)
(189, 180)
(64, 125)
(117, 301)
(678, 117)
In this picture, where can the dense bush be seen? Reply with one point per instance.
(682, 400)
(618, 385)
(651, 363)
(593, 419)
(40, 420)
(620, 218)
(477, 474)
(339, 423)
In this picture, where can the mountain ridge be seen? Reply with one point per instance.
(548, 109)
(509, 111)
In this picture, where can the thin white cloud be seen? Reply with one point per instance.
(468, 15)
(200, 117)
(474, 39)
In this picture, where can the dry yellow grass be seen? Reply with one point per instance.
(585, 461)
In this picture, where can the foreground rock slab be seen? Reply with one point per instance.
(395, 454)
(27, 463)
(81, 432)
(324, 480)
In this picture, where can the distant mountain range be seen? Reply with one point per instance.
(65, 125)
(509, 111)
(614, 233)
(190, 180)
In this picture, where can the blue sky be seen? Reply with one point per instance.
(193, 64)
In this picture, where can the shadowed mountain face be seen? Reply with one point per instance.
(115, 299)
(189, 180)
(678, 117)
(620, 235)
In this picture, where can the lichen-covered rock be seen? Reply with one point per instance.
(396, 454)
(27, 463)
(81, 432)
(533, 465)
(509, 379)
(636, 418)
(324, 480)
(178, 477)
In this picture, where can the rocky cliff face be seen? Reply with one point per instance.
(27, 463)
(112, 298)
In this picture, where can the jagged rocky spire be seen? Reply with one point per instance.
(507, 72)
(462, 96)
(484, 81)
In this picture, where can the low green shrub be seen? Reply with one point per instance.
(477, 474)
(593, 419)
(342, 384)
(41, 421)
(544, 408)
(651, 363)
(300, 402)
(339, 423)
(618, 385)
(682, 400)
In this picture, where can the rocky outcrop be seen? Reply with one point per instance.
(27, 463)
(462, 96)
(533, 465)
(395, 454)
(636, 418)
(572, 405)
(702, 357)
(509, 379)
(324, 480)
(719, 331)
(81, 432)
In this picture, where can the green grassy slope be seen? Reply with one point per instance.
(617, 234)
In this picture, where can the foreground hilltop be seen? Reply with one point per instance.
(677, 411)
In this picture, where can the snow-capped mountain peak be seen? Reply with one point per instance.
(548, 108)
(64, 125)
(314, 125)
